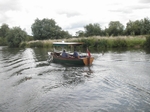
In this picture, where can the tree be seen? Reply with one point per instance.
(115, 28)
(4, 30)
(129, 28)
(92, 30)
(133, 28)
(145, 26)
(80, 33)
(15, 36)
(64, 34)
(46, 29)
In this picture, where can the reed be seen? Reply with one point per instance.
(95, 42)
(114, 42)
(147, 42)
(135, 42)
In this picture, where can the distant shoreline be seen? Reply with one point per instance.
(94, 42)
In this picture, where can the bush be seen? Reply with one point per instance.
(119, 43)
(147, 42)
(29, 38)
(47, 45)
(23, 44)
(102, 43)
(3, 41)
(15, 36)
(133, 42)
(36, 44)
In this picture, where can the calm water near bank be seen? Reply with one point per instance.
(118, 81)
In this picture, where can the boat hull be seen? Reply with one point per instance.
(73, 61)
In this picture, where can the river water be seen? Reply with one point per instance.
(118, 81)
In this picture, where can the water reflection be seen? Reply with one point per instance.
(68, 77)
(39, 51)
(76, 75)
(147, 51)
(29, 57)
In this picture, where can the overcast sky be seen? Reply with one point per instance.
(72, 15)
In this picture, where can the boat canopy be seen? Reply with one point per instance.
(67, 43)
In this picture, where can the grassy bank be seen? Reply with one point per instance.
(97, 42)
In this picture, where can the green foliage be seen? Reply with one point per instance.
(63, 34)
(80, 33)
(133, 28)
(134, 42)
(102, 43)
(23, 45)
(4, 30)
(47, 29)
(47, 45)
(96, 43)
(29, 38)
(92, 30)
(3, 41)
(36, 44)
(145, 26)
(15, 36)
(147, 43)
(138, 27)
(115, 28)
(118, 43)
(86, 42)
(113, 42)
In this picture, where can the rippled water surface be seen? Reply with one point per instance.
(116, 82)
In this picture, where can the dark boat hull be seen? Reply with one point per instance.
(73, 61)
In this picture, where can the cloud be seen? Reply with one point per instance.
(122, 10)
(140, 6)
(6, 5)
(79, 24)
(69, 13)
(130, 9)
(144, 1)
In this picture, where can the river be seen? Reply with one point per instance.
(117, 81)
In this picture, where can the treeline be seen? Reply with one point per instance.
(48, 29)
(115, 28)
(41, 30)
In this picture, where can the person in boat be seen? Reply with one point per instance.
(75, 54)
(64, 54)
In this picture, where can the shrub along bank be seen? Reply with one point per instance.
(98, 42)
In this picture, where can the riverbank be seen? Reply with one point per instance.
(94, 42)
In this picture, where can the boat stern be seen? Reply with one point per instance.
(88, 60)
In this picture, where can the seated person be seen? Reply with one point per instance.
(75, 54)
(64, 54)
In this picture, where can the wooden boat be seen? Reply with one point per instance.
(56, 57)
